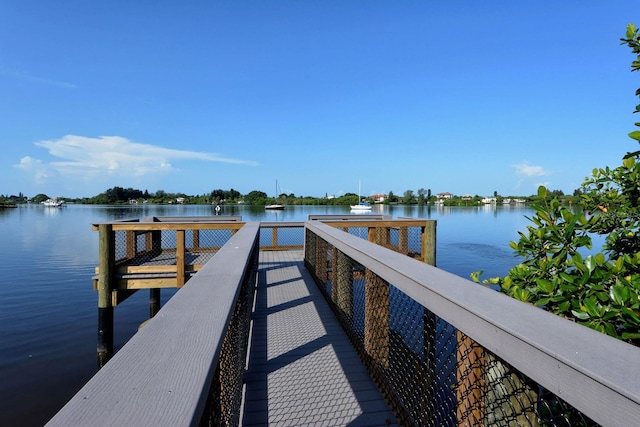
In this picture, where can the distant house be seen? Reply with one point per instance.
(445, 195)
(379, 198)
(489, 200)
(180, 200)
(467, 197)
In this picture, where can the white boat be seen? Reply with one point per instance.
(361, 206)
(53, 203)
(275, 206)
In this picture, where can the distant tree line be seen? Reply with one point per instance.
(120, 195)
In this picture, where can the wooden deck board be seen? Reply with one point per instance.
(302, 369)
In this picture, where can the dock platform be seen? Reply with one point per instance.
(302, 369)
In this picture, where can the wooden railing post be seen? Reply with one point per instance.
(154, 301)
(385, 238)
(403, 240)
(507, 396)
(376, 319)
(180, 258)
(371, 234)
(153, 239)
(428, 318)
(334, 269)
(310, 249)
(429, 242)
(106, 265)
(274, 237)
(343, 288)
(321, 261)
(196, 239)
(470, 390)
(131, 244)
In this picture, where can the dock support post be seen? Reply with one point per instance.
(342, 292)
(105, 287)
(180, 258)
(403, 240)
(376, 319)
(429, 242)
(154, 302)
(470, 390)
(429, 329)
(321, 262)
(274, 237)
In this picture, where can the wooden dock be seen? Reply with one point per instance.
(302, 368)
(252, 338)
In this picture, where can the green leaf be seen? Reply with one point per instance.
(619, 294)
(592, 307)
(541, 302)
(542, 191)
(630, 335)
(590, 263)
(630, 161)
(545, 285)
(579, 314)
(475, 276)
(564, 306)
(631, 31)
(566, 277)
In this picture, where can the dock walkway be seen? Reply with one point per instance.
(302, 368)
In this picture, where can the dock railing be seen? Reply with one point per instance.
(165, 252)
(151, 253)
(444, 350)
(447, 351)
(185, 367)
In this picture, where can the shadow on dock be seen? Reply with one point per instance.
(302, 367)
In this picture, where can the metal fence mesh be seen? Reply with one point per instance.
(401, 238)
(431, 373)
(160, 247)
(224, 402)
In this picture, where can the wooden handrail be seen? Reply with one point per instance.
(591, 371)
(163, 374)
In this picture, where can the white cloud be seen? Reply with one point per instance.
(526, 170)
(112, 155)
(34, 166)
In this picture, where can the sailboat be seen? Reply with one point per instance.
(361, 206)
(54, 203)
(275, 206)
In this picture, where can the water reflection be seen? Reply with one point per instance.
(48, 317)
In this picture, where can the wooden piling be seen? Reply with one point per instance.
(376, 319)
(470, 375)
(154, 302)
(344, 286)
(180, 258)
(429, 321)
(105, 287)
(429, 242)
(321, 262)
(196, 240)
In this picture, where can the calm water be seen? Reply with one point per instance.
(48, 315)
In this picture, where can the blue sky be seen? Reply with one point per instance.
(462, 96)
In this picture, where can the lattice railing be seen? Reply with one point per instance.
(432, 372)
